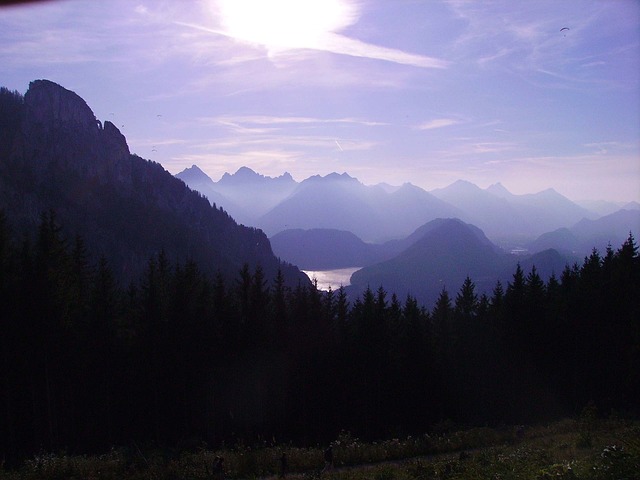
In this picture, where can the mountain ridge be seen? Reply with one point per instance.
(126, 208)
(441, 254)
(395, 211)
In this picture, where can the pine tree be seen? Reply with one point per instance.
(466, 306)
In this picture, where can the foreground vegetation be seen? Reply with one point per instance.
(585, 448)
(179, 359)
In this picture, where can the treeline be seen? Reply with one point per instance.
(178, 357)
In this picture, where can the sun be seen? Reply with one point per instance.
(283, 24)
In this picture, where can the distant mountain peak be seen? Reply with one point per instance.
(194, 175)
(550, 192)
(463, 183)
(499, 190)
(247, 172)
(246, 175)
(459, 188)
(332, 177)
(194, 169)
(337, 176)
(463, 186)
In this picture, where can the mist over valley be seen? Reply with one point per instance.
(411, 241)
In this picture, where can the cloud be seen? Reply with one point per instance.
(283, 26)
(437, 123)
(471, 148)
(605, 147)
(526, 41)
(280, 142)
(343, 45)
(279, 120)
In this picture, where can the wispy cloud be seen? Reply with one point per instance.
(147, 142)
(526, 41)
(437, 123)
(284, 26)
(340, 44)
(283, 120)
(502, 52)
(267, 142)
(469, 148)
(605, 147)
(347, 46)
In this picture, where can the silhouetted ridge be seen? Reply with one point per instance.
(62, 158)
(325, 249)
(439, 254)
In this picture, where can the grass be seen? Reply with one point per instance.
(557, 451)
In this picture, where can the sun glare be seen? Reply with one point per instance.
(283, 24)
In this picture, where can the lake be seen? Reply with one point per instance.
(331, 278)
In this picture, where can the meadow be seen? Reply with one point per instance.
(582, 448)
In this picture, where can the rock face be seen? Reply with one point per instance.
(60, 157)
(49, 107)
(60, 127)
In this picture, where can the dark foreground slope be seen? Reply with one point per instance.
(56, 156)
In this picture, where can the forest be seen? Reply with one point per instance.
(178, 358)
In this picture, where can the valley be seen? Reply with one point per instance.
(411, 241)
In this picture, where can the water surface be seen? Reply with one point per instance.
(332, 278)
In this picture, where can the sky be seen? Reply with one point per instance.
(533, 94)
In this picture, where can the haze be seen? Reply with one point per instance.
(426, 92)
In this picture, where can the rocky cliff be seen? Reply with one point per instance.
(57, 156)
(61, 131)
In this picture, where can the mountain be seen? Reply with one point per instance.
(255, 193)
(409, 207)
(562, 239)
(335, 202)
(547, 262)
(339, 201)
(329, 249)
(447, 252)
(245, 195)
(547, 209)
(57, 156)
(383, 212)
(581, 238)
(602, 207)
(441, 254)
(495, 215)
(199, 181)
(509, 218)
(325, 249)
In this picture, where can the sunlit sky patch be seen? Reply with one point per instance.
(427, 92)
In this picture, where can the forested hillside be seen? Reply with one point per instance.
(55, 154)
(88, 363)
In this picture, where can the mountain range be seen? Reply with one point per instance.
(379, 213)
(56, 156)
(441, 254)
(411, 241)
(587, 234)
